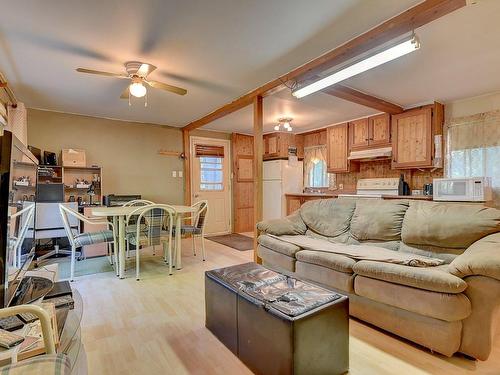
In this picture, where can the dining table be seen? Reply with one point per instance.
(119, 215)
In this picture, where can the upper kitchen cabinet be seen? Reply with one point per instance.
(417, 137)
(358, 134)
(379, 130)
(276, 145)
(338, 149)
(371, 132)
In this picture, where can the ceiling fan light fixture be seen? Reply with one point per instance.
(137, 89)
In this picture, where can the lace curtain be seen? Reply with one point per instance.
(315, 166)
(473, 148)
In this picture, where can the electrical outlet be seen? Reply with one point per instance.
(341, 186)
(174, 174)
(180, 174)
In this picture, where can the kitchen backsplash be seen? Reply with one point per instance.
(382, 168)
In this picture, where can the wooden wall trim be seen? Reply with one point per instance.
(187, 166)
(258, 152)
(411, 19)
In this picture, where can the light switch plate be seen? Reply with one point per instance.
(174, 173)
(180, 174)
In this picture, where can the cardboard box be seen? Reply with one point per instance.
(73, 158)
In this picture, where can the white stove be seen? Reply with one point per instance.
(375, 188)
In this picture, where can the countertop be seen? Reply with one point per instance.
(336, 194)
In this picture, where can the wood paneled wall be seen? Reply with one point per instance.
(242, 158)
(373, 169)
(382, 168)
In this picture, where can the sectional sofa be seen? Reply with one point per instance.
(448, 308)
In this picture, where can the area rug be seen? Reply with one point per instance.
(88, 266)
(234, 240)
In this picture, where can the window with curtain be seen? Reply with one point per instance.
(473, 148)
(315, 174)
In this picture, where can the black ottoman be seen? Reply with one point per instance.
(277, 324)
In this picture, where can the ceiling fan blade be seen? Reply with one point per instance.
(98, 72)
(145, 69)
(164, 86)
(125, 93)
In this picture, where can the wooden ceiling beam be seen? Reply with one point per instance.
(358, 97)
(411, 19)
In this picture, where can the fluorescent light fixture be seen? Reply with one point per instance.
(380, 58)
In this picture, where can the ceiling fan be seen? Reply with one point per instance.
(137, 72)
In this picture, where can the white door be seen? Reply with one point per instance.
(210, 181)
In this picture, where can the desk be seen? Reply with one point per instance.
(119, 215)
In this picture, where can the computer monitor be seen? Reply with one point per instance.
(50, 193)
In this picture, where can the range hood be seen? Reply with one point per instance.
(376, 153)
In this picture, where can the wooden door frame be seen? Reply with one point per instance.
(226, 142)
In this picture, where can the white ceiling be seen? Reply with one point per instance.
(221, 49)
(459, 58)
(218, 49)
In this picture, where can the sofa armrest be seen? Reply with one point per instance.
(481, 258)
(291, 225)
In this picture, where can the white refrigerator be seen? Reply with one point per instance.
(280, 177)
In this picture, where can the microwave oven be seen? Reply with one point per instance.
(466, 189)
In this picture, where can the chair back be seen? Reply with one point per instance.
(26, 222)
(66, 215)
(156, 219)
(201, 214)
(138, 202)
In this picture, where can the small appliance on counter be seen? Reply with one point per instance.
(403, 187)
(466, 189)
(427, 190)
(113, 200)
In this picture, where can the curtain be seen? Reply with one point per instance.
(473, 148)
(315, 166)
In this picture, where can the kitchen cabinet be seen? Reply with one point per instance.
(358, 134)
(379, 130)
(371, 132)
(413, 137)
(276, 145)
(337, 147)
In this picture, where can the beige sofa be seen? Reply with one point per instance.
(453, 307)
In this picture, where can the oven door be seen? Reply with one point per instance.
(452, 190)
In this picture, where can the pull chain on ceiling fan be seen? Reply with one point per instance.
(137, 73)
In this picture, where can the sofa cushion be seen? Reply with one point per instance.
(328, 217)
(436, 279)
(275, 260)
(444, 253)
(444, 306)
(326, 276)
(292, 224)
(281, 247)
(334, 261)
(448, 225)
(378, 219)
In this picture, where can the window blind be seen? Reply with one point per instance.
(209, 150)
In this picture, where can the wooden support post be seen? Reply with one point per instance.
(187, 167)
(258, 152)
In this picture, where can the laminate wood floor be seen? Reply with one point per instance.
(156, 326)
